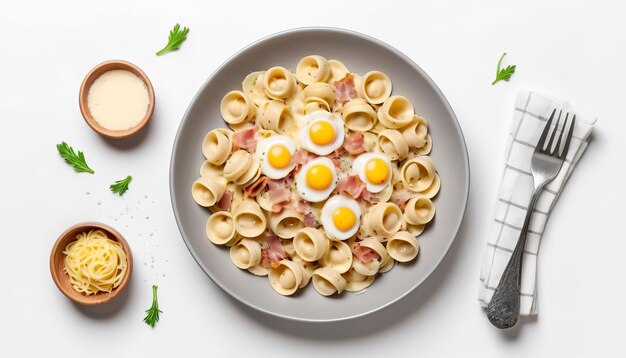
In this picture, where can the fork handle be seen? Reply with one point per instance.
(503, 309)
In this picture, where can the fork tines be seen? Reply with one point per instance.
(546, 148)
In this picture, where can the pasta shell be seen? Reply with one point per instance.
(208, 190)
(220, 228)
(403, 247)
(328, 281)
(246, 254)
(312, 69)
(375, 87)
(279, 83)
(286, 278)
(237, 108)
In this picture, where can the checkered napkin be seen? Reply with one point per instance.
(516, 186)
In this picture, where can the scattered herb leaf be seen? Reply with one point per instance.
(505, 73)
(120, 186)
(176, 38)
(77, 161)
(152, 316)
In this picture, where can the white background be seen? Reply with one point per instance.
(574, 50)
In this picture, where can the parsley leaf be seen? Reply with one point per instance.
(77, 161)
(121, 186)
(177, 37)
(152, 316)
(505, 73)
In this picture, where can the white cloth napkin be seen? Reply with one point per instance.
(516, 186)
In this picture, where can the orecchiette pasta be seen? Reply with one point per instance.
(207, 169)
(306, 268)
(358, 115)
(327, 281)
(241, 168)
(375, 87)
(312, 104)
(308, 183)
(286, 223)
(246, 253)
(310, 244)
(402, 246)
(338, 257)
(237, 108)
(418, 174)
(356, 281)
(337, 71)
(387, 264)
(396, 112)
(312, 69)
(393, 144)
(252, 87)
(276, 116)
(208, 190)
(249, 219)
(385, 218)
(217, 145)
(321, 90)
(286, 278)
(220, 228)
(416, 132)
(419, 211)
(371, 267)
(278, 83)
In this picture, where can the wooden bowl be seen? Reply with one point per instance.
(84, 92)
(62, 280)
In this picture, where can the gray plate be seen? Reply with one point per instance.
(360, 54)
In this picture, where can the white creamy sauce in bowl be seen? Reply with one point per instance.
(118, 100)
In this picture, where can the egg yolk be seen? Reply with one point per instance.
(319, 177)
(322, 133)
(279, 156)
(344, 219)
(376, 171)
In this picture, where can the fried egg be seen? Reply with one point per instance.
(341, 217)
(316, 179)
(322, 133)
(276, 156)
(374, 170)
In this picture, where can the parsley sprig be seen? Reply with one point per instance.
(177, 37)
(503, 74)
(152, 316)
(77, 161)
(120, 186)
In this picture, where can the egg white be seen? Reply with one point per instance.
(358, 167)
(262, 152)
(308, 193)
(322, 116)
(330, 207)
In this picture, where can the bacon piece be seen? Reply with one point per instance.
(370, 197)
(280, 192)
(301, 206)
(354, 143)
(225, 201)
(273, 253)
(364, 253)
(301, 158)
(400, 197)
(345, 89)
(309, 220)
(351, 185)
(336, 158)
(255, 188)
(246, 139)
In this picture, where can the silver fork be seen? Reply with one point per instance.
(546, 162)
